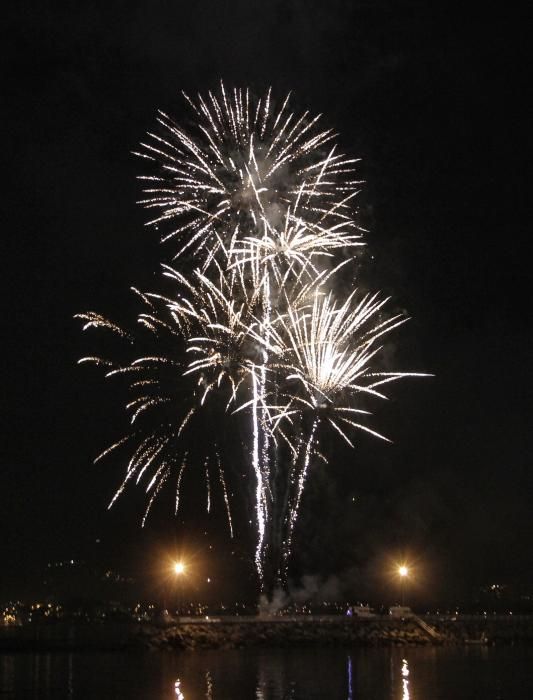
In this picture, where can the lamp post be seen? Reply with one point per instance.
(179, 570)
(403, 573)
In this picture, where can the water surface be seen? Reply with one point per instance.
(409, 673)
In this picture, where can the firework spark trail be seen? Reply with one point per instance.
(259, 498)
(178, 482)
(257, 202)
(226, 499)
(208, 484)
(298, 476)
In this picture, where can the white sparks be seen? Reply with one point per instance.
(257, 204)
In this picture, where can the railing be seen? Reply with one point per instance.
(428, 629)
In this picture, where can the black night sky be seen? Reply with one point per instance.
(431, 97)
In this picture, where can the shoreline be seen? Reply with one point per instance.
(238, 633)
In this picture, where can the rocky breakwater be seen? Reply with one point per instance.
(280, 632)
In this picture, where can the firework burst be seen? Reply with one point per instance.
(258, 203)
(249, 166)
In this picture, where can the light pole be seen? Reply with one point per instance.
(179, 570)
(403, 573)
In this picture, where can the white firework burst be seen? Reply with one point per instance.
(247, 165)
(258, 203)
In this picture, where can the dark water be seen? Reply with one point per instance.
(274, 674)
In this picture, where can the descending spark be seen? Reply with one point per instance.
(178, 483)
(208, 484)
(94, 320)
(226, 499)
(259, 497)
(294, 503)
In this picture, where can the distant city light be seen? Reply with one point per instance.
(403, 571)
(179, 568)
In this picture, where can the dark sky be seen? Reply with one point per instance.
(431, 96)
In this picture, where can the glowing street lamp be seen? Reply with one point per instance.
(403, 573)
(179, 570)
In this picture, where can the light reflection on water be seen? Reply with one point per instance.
(405, 680)
(209, 684)
(177, 690)
(446, 673)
